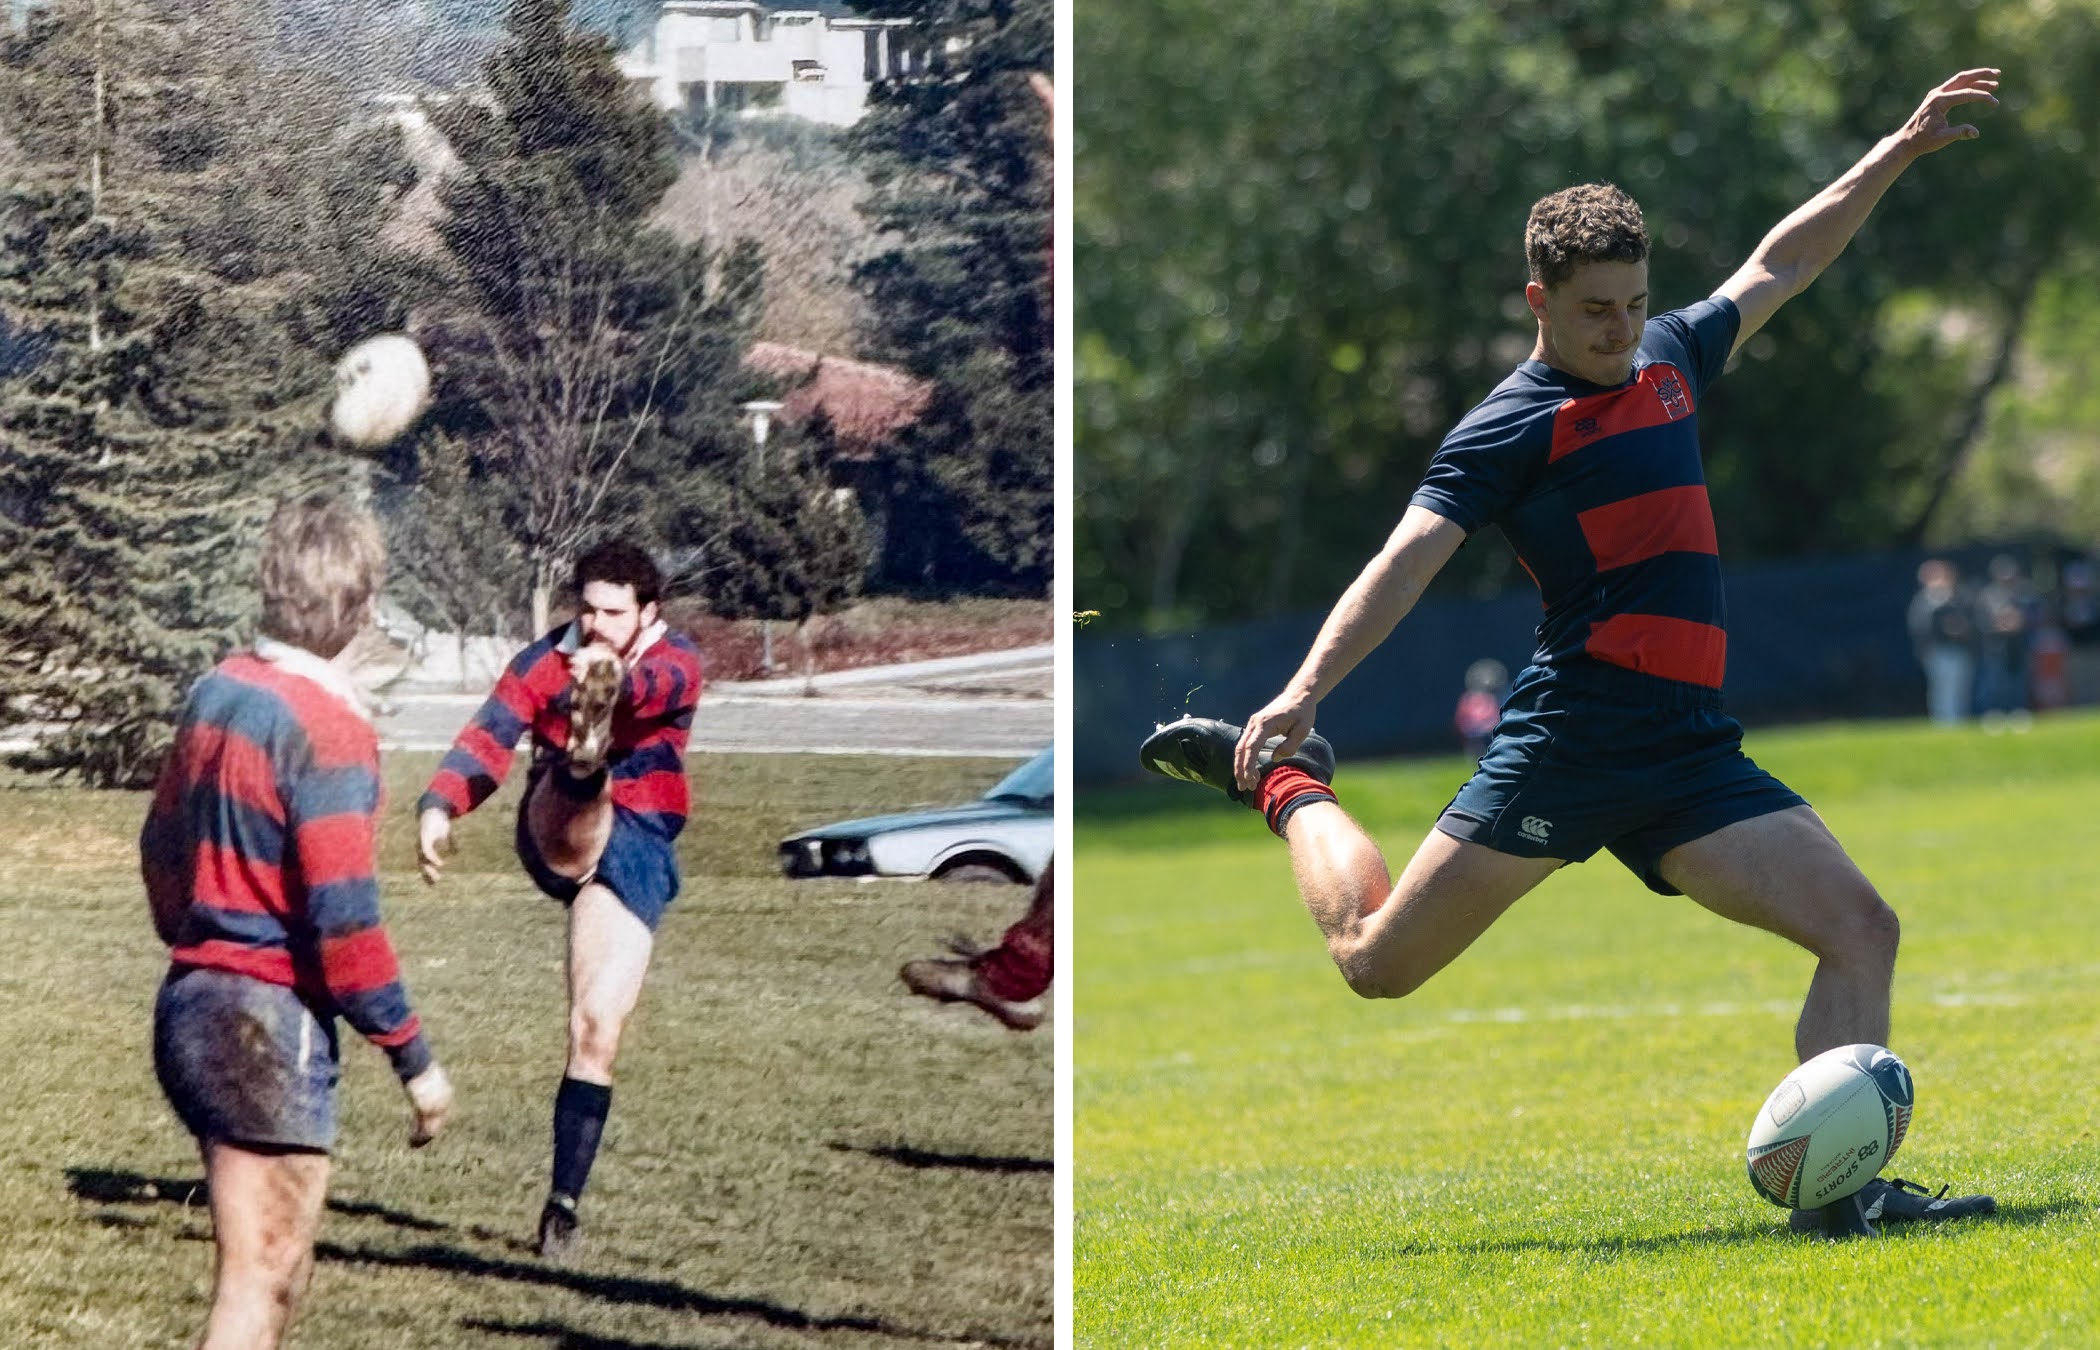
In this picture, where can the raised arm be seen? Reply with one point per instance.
(1365, 616)
(1797, 249)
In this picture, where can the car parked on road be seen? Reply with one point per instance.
(1004, 835)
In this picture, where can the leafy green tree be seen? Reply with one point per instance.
(960, 169)
(1296, 269)
(588, 352)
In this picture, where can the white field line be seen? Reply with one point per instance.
(1641, 1012)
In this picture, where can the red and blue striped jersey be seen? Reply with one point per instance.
(1601, 493)
(259, 848)
(651, 722)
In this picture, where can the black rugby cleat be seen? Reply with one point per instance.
(1199, 750)
(1887, 1201)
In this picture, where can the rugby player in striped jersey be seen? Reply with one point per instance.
(1587, 457)
(608, 702)
(258, 855)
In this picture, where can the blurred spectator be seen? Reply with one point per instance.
(2048, 666)
(2004, 620)
(2079, 601)
(1480, 706)
(1943, 632)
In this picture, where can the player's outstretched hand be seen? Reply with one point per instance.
(1288, 715)
(1929, 129)
(433, 841)
(430, 1099)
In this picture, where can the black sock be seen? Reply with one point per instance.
(580, 1109)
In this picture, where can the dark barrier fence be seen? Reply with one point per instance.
(1806, 640)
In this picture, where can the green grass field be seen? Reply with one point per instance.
(800, 1154)
(1543, 1147)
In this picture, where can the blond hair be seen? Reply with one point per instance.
(322, 562)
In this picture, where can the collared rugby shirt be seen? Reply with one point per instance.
(1601, 493)
(651, 723)
(258, 850)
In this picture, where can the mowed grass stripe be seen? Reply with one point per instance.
(800, 1153)
(1543, 1146)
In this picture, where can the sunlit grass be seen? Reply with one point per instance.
(800, 1153)
(1544, 1146)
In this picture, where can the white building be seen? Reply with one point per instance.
(744, 57)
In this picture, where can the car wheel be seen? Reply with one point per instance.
(978, 870)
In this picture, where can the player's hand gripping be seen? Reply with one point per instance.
(433, 841)
(590, 655)
(430, 1100)
(1289, 715)
(1928, 129)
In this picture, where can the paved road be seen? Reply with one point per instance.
(997, 705)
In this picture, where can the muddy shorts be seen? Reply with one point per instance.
(244, 1061)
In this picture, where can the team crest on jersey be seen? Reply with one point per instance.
(1676, 403)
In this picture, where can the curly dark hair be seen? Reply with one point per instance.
(621, 564)
(1591, 222)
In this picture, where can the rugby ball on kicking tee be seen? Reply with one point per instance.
(381, 387)
(1830, 1126)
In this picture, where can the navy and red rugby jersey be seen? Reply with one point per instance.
(651, 721)
(1601, 493)
(259, 848)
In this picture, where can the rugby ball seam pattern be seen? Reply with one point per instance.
(1777, 1170)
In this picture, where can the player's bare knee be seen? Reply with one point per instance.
(1881, 930)
(1869, 930)
(594, 1037)
(1372, 974)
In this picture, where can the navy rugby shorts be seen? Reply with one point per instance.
(638, 866)
(1571, 771)
(244, 1061)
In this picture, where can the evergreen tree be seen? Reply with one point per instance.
(961, 168)
(790, 547)
(158, 261)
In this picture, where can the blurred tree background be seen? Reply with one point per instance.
(1298, 259)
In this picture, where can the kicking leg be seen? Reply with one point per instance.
(1786, 873)
(571, 820)
(569, 809)
(1009, 980)
(1388, 939)
(609, 951)
(265, 1210)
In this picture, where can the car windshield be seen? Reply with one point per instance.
(1032, 782)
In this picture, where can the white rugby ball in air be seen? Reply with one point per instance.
(381, 387)
(1830, 1126)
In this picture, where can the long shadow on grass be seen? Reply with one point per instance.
(1741, 1234)
(113, 1186)
(661, 1294)
(967, 1162)
(571, 1339)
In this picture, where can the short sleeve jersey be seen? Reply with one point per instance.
(1601, 493)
